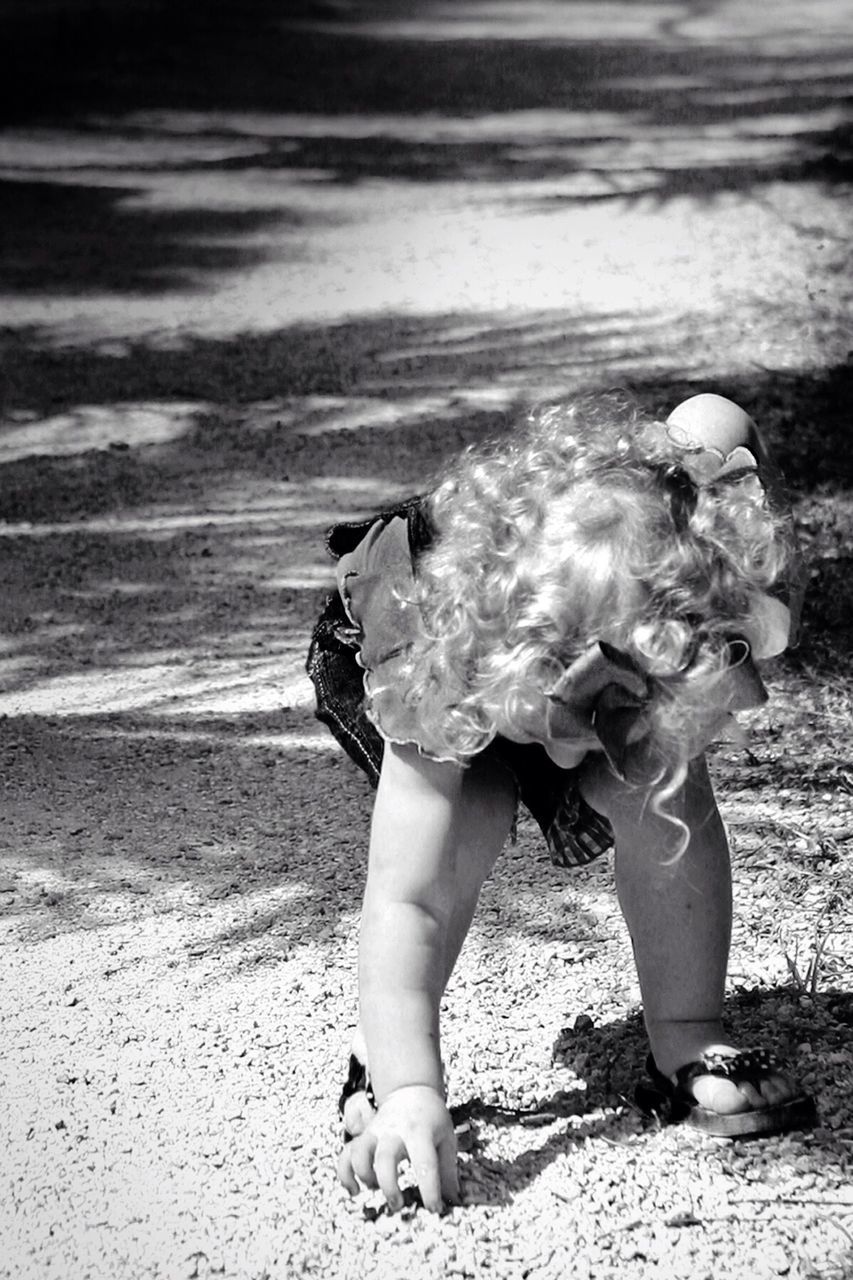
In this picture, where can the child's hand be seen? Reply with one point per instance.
(413, 1123)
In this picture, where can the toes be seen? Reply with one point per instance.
(753, 1094)
(717, 1094)
(777, 1088)
(728, 1098)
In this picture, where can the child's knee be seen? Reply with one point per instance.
(661, 817)
(611, 794)
(601, 788)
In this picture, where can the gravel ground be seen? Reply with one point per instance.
(179, 990)
(226, 328)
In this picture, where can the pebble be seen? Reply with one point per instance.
(776, 1259)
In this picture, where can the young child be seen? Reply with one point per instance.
(568, 620)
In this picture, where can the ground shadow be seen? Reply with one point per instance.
(271, 408)
(256, 811)
(608, 1062)
(802, 413)
(200, 576)
(253, 56)
(119, 817)
(394, 356)
(661, 118)
(73, 238)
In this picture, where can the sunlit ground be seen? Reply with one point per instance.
(597, 240)
(794, 26)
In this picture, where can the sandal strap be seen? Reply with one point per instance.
(357, 1081)
(750, 1066)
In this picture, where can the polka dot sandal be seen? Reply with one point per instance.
(357, 1081)
(671, 1099)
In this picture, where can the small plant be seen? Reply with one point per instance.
(805, 984)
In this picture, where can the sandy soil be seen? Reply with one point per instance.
(238, 306)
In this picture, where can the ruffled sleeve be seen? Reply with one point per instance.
(376, 584)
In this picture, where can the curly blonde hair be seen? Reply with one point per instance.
(562, 534)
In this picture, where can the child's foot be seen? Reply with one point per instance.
(731, 1092)
(767, 1085)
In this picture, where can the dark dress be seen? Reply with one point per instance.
(366, 625)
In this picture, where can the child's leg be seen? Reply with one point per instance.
(484, 823)
(678, 913)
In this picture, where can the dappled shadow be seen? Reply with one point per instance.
(234, 57)
(373, 403)
(210, 534)
(187, 611)
(308, 374)
(158, 806)
(164, 780)
(157, 91)
(148, 589)
(627, 158)
(127, 816)
(396, 356)
(801, 411)
(203, 599)
(71, 237)
(211, 540)
(304, 401)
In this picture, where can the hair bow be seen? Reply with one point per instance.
(708, 466)
(700, 469)
(767, 627)
(717, 438)
(603, 693)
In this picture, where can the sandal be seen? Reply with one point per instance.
(671, 1099)
(357, 1081)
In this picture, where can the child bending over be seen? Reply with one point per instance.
(568, 620)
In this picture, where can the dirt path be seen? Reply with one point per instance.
(235, 313)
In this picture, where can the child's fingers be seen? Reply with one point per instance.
(356, 1161)
(449, 1169)
(345, 1172)
(389, 1153)
(423, 1159)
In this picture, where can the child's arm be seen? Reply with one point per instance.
(408, 902)
(411, 885)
